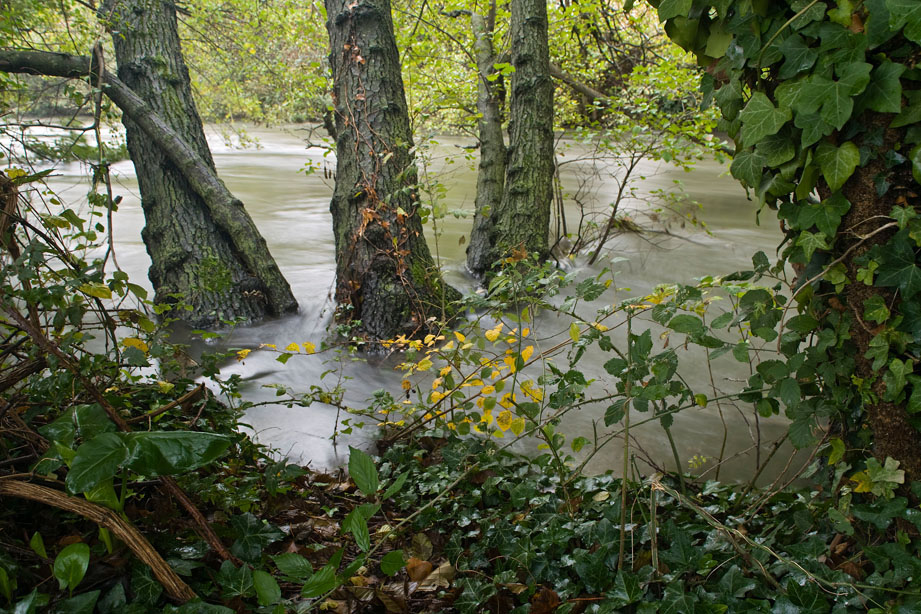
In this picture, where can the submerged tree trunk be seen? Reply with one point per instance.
(491, 173)
(522, 220)
(223, 270)
(386, 278)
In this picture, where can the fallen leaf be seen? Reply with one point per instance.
(417, 569)
(544, 601)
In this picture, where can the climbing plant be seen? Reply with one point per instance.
(823, 102)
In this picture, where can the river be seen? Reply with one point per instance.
(290, 207)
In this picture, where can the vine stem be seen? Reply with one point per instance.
(626, 466)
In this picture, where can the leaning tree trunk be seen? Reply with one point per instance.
(522, 220)
(221, 273)
(491, 172)
(386, 278)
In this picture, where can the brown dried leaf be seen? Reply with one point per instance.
(417, 569)
(545, 601)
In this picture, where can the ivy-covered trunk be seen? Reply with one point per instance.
(522, 219)
(222, 273)
(386, 280)
(491, 172)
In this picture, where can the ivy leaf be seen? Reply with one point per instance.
(814, 128)
(252, 536)
(674, 8)
(760, 118)
(875, 309)
(747, 167)
(812, 241)
(895, 377)
(798, 56)
(826, 216)
(884, 92)
(777, 149)
(837, 163)
(898, 268)
(906, 13)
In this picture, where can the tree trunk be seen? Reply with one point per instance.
(386, 278)
(224, 271)
(522, 220)
(894, 435)
(491, 172)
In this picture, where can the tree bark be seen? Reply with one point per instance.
(223, 270)
(386, 278)
(522, 220)
(491, 171)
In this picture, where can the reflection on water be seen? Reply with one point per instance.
(290, 207)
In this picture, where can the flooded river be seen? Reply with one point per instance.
(290, 207)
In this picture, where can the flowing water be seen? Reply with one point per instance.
(290, 207)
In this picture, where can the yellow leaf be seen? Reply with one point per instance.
(864, 483)
(517, 426)
(405, 385)
(436, 383)
(429, 340)
(449, 345)
(487, 416)
(134, 342)
(599, 326)
(510, 362)
(525, 332)
(574, 332)
(271, 346)
(241, 354)
(504, 420)
(460, 337)
(436, 396)
(526, 353)
(444, 371)
(309, 348)
(493, 333)
(488, 390)
(424, 365)
(165, 387)
(293, 347)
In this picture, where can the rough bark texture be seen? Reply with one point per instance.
(893, 433)
(523, 217)
(491, 172)
(385, 275)
(222, 274)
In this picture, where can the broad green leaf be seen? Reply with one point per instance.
(915, 157)
(173, 452)
(686, 323)
(814, 128)
(267, 589)
(70, 565)
(836, 450)
(906, 13)
(837, 163)
(91, 420)
(356, 523)
(777, 149)
(826, 216)
(83, 603)
(884, 92)
(320, 582)
(293, 565)
(760, 118)
(363, 471)
(674, 8)
(392, 562)
(748, 167)
(718, 40)
(97, 460)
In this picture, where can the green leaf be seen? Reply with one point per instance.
(397, 485)
(356, 523)
(363, 471)
(252, 534)
(293, 565)
(686, 323)
(906, 13)
(837, 163)
(321, 582)
(97, 460)
(718, 40)
(747, 166)
(777, 149)
(91, 420)
(735, 583)
(574, 332)
(627, 590)
(896, 377)
(37, 543)
(875, 309)
(898, 268)
(674, 8)
(915, 157)
(814, 128)
(6, 587)
(157, 453)
(70, 565)
(812, 241)
(235, 581)
(392, 562)
(826, 216)
(83, 603)
(267, 589)
(760, 118)
(884, 92)
(836, 450)
(798, 57)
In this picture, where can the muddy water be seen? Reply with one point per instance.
(290, 207)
